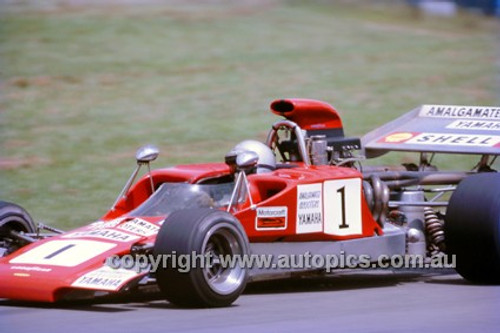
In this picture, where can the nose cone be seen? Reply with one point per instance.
(45, 270)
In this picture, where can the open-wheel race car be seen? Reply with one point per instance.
(304, 193)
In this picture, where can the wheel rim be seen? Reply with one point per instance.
(223, 240)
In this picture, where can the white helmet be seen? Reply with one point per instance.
(266, 162)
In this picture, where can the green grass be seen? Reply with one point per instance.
(84, 87)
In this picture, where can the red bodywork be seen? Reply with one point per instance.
(302, 203)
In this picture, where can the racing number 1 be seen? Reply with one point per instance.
(62, 252)
(342, 207)
(344, 224)
(55, 253)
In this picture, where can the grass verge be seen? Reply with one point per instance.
(84, 84)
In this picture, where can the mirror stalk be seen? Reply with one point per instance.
(144, 155)
(123, 193)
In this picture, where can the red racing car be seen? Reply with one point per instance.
(301, 202)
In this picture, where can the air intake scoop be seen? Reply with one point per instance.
(308, 114)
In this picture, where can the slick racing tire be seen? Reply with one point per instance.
(189, 237)
(13, 218)
(472, 228)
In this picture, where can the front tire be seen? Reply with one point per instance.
(13, 218)
(472, 228)
(201, 232)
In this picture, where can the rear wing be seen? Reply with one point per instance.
(439, 128)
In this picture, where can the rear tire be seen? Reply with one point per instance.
(200, 232)
(472, 228)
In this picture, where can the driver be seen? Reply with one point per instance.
(266, 162)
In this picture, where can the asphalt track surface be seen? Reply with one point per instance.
(350, 302)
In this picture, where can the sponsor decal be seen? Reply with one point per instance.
(22, 274)
(458, 111)
(109, 234)
(66, 253)
(104, 224)
(449, 139)
(398, 137)
(105, 278)
(309, 208)
(271, 218)
(140, 227)
(475, 125)
(31, 268)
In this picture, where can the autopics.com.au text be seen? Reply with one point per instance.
(306, 261)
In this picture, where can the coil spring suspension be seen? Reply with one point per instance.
(434, 228)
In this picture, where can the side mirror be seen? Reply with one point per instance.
(146, 154)
(247, 160)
